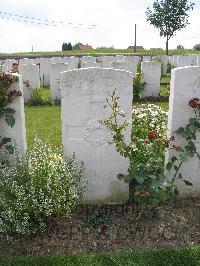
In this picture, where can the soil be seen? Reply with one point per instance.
(112, 228)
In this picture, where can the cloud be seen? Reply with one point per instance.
(115, 21)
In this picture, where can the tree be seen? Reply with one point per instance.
(64, 46)
(169, 16)
(76, 46)
(197, 47)
(180, 47)
(69, 46)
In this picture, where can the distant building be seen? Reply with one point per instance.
(85, 47)
(137, 48)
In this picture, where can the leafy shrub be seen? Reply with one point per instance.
(138, 84)
(169, 68)
(148, 184)
(180, 47)
(42, 185)
(38, 99)
(197, 47)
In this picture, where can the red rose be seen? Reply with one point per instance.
(194, 103)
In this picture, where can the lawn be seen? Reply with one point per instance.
(45, 122)
(186, 257)
(106, 51)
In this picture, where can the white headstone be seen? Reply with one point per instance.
(18, 132)
(88, 59)
(83, 96)
(55, 75)
(151, 75)
(185, 85)
(91, 64)
(119, 57)
(120, 65)
(106, 61)
(25, 61)
(44, 67)
(198, 60)
(186, 60)
(132, 63)
(30, 73)
(175, 58)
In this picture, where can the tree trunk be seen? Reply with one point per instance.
(167, 46)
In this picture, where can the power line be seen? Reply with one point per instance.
(42, 21)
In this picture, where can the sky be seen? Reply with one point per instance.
(74, 21)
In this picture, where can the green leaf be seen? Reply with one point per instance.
(180, 176)
(10, 149)
(10, 120)
(188, 183)
(180, 131)
(174, 159)
(5, 140)
(169, 166)
(9, 111)
(140, 179)
(176, 192)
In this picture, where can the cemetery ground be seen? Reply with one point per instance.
(119, 230)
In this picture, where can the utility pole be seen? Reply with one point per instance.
(135, 38)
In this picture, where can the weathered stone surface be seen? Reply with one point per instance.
(55, 75)
(151, 75)
(185, 85)
(186, 60)
(83, 95)
(120, 65)
(44, 67)
(18, 132)
(91, 64)
(88, 59)
(25, 61)
(132, 63)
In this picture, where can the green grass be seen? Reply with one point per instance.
(45, 122)
(185, 257)
(106, 51)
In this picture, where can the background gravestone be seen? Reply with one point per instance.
(151, 75)
(55, 76)
(32, 74)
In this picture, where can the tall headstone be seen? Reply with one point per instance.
(106, 61)
(151, 75)
(55, 76)
(185, 85)
(31, 74)
(18, 132)
(83, 96)
(44, 68)
(186, 60)
(120, 65)
(132, 63)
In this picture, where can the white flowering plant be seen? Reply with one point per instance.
(42, 185)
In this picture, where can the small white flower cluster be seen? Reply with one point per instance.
(41, 185)
(145, 119)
